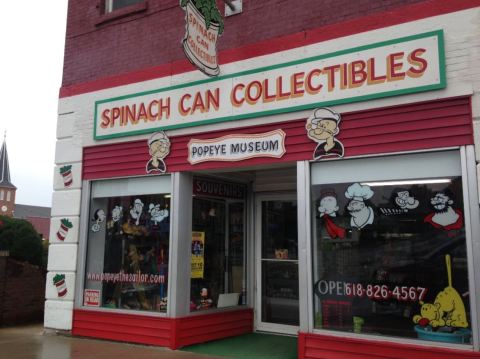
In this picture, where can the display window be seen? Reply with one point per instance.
(218, 245)
(389, 247)
(128, 244)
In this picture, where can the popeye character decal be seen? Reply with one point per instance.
(444, 216)
(328, 211)
(98, 218)
(136, 211)
(117, 213)
(203, 26)
(362, 215)
(447, 310)
(157, 214)
(322, 127)
(403, 200)
(159, 148)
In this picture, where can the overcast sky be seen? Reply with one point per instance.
(32, 44)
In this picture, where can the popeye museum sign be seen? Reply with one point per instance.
(407, 65)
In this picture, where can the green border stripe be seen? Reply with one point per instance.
(440, 85)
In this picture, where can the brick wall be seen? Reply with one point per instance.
(96, 49)
(22, 292)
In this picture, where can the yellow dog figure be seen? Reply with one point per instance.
(447, 309)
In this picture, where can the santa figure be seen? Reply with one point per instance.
(444, 216)
(327, 211)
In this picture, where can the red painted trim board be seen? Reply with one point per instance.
(376, 21)
(313, 346)
(417, 126)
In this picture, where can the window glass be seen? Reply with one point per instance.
(8, 196)
(112, 5)
(389, 256)
(128, 244)
(218, 246)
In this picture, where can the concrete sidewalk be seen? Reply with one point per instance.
(30, 342)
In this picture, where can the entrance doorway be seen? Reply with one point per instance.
(276, 248)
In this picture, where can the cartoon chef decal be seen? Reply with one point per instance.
(444, 216)
(159, 148)
(322, 127)
(327, 211)
(362, 214)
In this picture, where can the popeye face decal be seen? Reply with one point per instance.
(322, 127)
(158, 148)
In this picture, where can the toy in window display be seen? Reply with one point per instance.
(328, 213)
(444, 216)
(361, 214)
(135, 259)
(205, 302)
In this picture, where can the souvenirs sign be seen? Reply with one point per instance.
(237, 147)
(395, 67)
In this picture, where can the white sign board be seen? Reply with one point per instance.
(237, 147)
(395, 67)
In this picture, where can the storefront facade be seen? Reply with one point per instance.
(325, 188)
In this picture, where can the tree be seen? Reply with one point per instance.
(22, 240)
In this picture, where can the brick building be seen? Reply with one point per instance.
(302, 168)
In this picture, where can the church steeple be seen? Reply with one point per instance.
(7, 189)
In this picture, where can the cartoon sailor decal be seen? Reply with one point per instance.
(444, 216)
(159, 148)
(137, 211)
(322, 127)
(362, 214)
(327, 211)
(117, 213)
(98, 218)
(157, 214)
(405, 201)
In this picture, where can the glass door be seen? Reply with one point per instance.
(277, 264)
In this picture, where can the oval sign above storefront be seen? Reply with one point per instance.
(390, 68)
(237, 147)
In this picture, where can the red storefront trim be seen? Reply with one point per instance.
(426, 125)
(312, 346)
(363, 24)
(161, 331)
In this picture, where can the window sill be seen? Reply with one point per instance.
(121, 13)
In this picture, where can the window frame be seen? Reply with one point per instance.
(108, 8)
(87, 186)
(472, 228)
